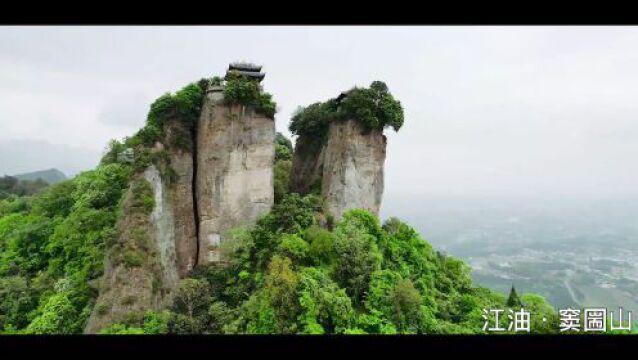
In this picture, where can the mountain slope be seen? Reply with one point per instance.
(50, 176)
(86, 248)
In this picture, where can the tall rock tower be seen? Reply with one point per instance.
(234, 175)
(341, 149)
(345, 167)
(352, 176)
(204, 171)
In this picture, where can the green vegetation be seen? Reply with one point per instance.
(179, 111)
(143, 200)
(289, 275)
(11, 186)
(133, 258)
(282, 169)
(314, 119)
(248, 92)
(513, 299)
(374, 107)
(171, 121)
(153, 323)
(52, 249)
(53, 240)
(283, 147)
(283, 166)
(292, 272)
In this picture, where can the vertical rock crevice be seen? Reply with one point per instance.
(193, 134)
(181, 147)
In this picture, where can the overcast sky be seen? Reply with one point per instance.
(488, 110)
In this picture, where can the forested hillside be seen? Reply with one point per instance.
(295, 271)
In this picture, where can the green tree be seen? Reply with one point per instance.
(156, 322)
(406, 303)
(283, 147)
(281, 178)
(294, 247)
(280, 288)
(25, 245)
(357, 256)
(17, 299)
(191, 303)
(291, 216)
(56, 200)
(56, 316)
(325, 308)
(513, 300)
(544, 318)
(321, 250)
(192, 297)
(220, 315)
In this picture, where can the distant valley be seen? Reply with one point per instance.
(575, 252)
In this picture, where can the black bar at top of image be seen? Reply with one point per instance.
(318, 13)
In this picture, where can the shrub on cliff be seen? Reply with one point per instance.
(374, 107)
(314, 119)
(183, 106)
(248, 92)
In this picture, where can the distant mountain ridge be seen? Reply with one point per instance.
(51, 176)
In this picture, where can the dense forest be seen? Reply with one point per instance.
(11, 186)
(292, 272)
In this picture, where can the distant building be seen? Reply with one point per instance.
(126, 156)
(248, 70)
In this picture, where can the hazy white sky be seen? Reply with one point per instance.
(489, 110)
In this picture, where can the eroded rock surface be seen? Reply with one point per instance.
(140, 270)
(345, 167)
(353, 168)
(234, 184)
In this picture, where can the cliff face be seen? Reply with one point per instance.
(353, 168)
(234, 181)
(204, 179)
(140, 270)
(162, 230)
(165, 238)
(348, 164)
